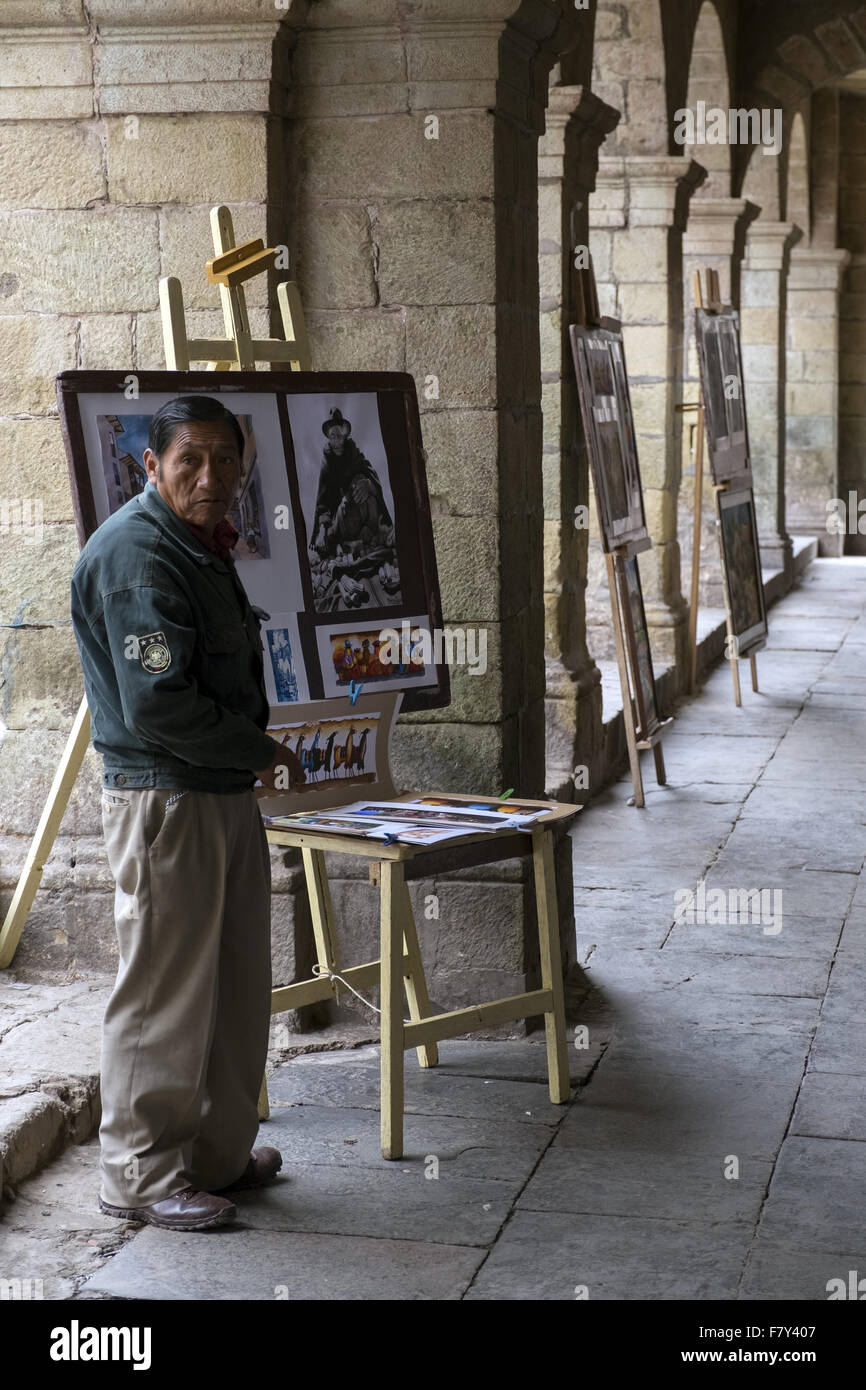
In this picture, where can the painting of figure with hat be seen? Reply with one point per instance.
(350, 525)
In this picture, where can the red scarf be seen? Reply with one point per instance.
(224, 537)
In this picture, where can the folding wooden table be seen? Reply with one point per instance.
(399, 965)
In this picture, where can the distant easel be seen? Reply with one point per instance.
(709, 299)
(643, 728)
(229, 268)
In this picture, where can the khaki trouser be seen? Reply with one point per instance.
(185, 1036)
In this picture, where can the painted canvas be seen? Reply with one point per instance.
(742, 567)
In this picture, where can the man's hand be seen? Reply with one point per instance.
(284, 765)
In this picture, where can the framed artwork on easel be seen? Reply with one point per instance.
(640, 655)
(605, 407)
(335, 540)
(744, 588)
(717, 333)
(722, 412)
(599, 362)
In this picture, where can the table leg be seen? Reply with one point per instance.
(416, 981)
(391, 1001)
(551, 965)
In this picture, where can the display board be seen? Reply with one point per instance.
(741, 557)
(717, 334)
(336, 539)
(599, 362)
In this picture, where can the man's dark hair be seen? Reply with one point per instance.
(164, 424)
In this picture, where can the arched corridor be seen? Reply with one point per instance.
(435, 176)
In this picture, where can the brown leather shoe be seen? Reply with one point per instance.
(264, 1164)
(187, 1210)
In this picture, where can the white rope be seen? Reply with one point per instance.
(325, 972)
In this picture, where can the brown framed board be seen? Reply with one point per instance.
(717, 335)
(336, 537)
(605, 405)
(741, 567)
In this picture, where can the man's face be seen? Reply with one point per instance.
(336, 439)
(198, 473)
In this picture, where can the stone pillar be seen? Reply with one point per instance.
(812, 392)
(637, 220)
(715, 238)
(576, 123)
(762, 321)
(414, 157)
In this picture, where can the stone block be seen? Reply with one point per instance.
(647, 350)
(50, 164)
(761, 325)
(468, 556)
(437, 252)
(106, 341)
(809, 399)
(43, 685)
(462, 465)
(40, 346)
(343, 57)
(648, 304)
(34, 578)
(186, 243)
(758, 289)
(640, 257)
(336, 258)
(347, 340)
(455, 757)
(73, 262)
(34, 470)
(458, 346)
(813, 333)
(343, 159)
(207, 158)
(67, 61)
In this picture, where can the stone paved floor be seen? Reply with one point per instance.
(715, 1144)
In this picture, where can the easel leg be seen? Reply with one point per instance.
(661, 775)
(264, 1103)
(627, 712)
(551, 965)
(696, 552)
(735, 675)
(415, 981)
(754, 665)
(391, 1001)
(46, 833)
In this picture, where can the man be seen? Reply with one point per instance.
(173, 673)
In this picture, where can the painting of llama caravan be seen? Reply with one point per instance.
(335, 752)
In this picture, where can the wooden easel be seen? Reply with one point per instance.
(712, 301)
(229, 268)
(637, 739)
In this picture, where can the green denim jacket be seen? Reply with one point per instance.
(171, 655)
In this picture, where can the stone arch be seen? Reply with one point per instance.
(709, 82)
(629, 74)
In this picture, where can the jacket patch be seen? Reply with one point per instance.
(154, 652)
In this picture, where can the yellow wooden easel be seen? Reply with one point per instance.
(638, 740)
(709, 297)
(229, 268)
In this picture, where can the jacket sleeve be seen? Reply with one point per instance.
(161, 703)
